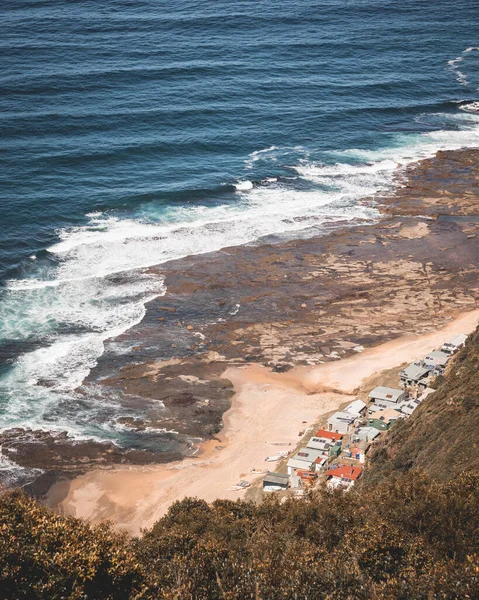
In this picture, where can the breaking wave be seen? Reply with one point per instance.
(93, 283)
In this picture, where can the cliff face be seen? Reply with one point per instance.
(442, 435)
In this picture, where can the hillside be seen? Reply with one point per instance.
(410, 532)
(442, 435)
(404, 538)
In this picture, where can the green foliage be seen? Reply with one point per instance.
(405, 538)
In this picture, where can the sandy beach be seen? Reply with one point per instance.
(268, 408)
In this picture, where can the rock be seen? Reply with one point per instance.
(281, 368)
(369, 296)
(168, 308)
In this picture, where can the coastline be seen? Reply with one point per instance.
(290, 307)
(267, 407)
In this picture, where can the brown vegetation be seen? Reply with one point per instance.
(405, 538)
(441, 436)
(404, 533)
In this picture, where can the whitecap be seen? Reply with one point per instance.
(99, 284)
(242, 186)
(470, 107)
(453, 64)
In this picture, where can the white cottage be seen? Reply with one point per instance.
(304, 459)
(385, 397)
(341, 422)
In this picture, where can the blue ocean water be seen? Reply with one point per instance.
(134, 132)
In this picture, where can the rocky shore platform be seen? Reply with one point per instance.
(299, 302)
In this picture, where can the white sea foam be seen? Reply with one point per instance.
(470, 107)
(12, 474)
(98, 286)
(459, 72)
(273, 154)
(242, 186)
(235, 310)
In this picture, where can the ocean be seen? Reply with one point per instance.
(133, 133)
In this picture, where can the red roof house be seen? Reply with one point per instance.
(328, 435)
(344, 476)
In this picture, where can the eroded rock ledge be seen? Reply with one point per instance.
(299, 302)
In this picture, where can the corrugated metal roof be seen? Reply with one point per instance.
(415, 371)
(343, 417)
(386, 393)
(366, 432)
(355, 407)
(437, 358)
(276, 479)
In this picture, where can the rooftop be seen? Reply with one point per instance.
(366, 432)
(328, 435)
(457, 340)
(386, 415)
(415, 371)
(319, 443)
(342, 416)
(426, 393)
(358, 447)
(307, 454)
(437, 357)
(355, 407)
(346, 472)
(386, 393)
(276, 478)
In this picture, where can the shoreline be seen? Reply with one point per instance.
(290, 307)
(261, 412)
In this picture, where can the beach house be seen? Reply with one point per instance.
(383, 419)
(385, 397)
(357, 451)
(437, 360)
(275, 482)
(320, 444)
(407, 408)
(304, 459)
(356, 408)
(368, 434)
(332, 436)
(341, 422)
(344, 476)
(455, 344)
(415, 374)
(320, 462)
